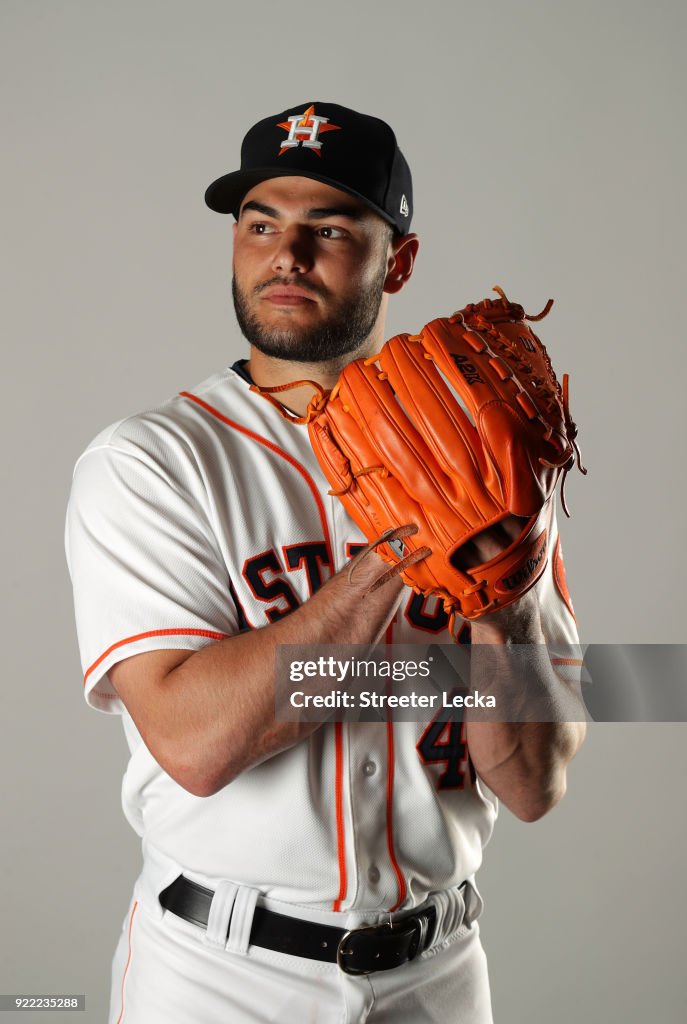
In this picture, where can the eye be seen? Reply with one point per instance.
(327, 231)
(260, 228)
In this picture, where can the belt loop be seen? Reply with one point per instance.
(242, 919)
(220, 914)
(157, 872)
(474, 904)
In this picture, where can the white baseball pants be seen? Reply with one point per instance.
(169, 971)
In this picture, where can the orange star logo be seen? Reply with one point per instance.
(305, 130)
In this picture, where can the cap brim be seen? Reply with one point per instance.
(226, 193)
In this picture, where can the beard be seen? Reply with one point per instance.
(344, 331)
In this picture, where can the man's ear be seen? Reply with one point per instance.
(401, 262)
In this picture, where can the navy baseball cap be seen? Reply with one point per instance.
(354, 152)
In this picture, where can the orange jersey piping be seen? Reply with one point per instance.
(340, 833)
(128, 961)
(402, 890)
(152, 632)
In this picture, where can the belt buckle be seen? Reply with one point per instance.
(419, 925)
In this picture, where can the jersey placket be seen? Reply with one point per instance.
(370, 804)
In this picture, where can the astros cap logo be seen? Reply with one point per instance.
(304, 130)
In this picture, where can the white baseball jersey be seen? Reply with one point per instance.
(207, 516)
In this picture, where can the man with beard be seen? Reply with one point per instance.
(292, 871)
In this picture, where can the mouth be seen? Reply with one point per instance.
(285, 295)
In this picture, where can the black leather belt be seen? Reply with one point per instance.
(359, 951)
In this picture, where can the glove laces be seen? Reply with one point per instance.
(549, 393)
(394, 533)
(567, 463)
(314, 406)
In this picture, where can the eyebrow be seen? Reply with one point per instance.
(316, 213)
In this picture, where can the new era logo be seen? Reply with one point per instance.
(405, 210)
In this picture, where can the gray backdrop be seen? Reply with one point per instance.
(547, 144)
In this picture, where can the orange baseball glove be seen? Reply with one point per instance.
(444, 435)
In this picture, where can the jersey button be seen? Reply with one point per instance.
(369, 768)
(373, 874)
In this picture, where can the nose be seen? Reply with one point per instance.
(293, 253)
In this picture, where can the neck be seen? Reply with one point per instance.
(269, 372)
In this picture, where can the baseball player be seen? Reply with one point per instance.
(291, 871)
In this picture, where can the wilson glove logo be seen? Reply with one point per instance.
(526, 571)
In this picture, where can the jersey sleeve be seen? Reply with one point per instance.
(557, 614)
(145, 562)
